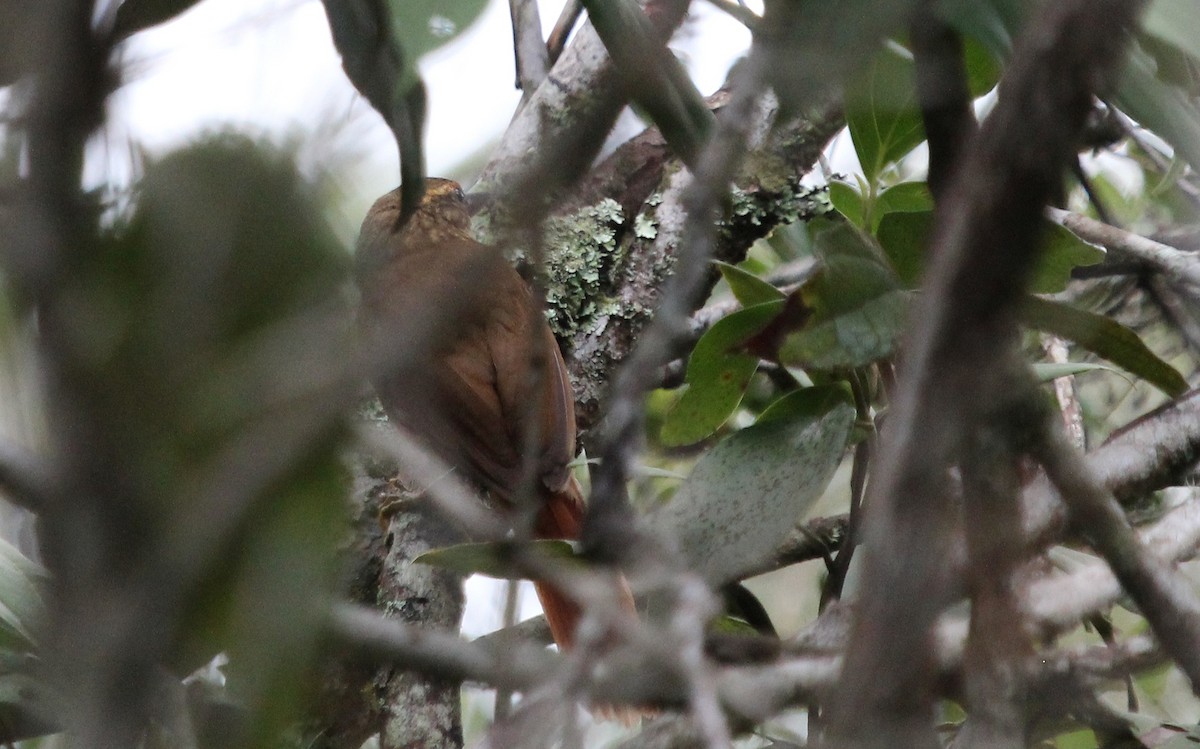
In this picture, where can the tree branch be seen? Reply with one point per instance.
(647, 247)
(1178, 266)
(961, 333)
(563, 125)
(529, 51)
(1054, 604)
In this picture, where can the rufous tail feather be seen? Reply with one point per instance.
(562, 517)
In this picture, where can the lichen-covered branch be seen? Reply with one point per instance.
(609, 258)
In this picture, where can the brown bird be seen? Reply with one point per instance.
(491, 385)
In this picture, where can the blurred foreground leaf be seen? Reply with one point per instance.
(494, 559)
(21, 598)
(211, 342)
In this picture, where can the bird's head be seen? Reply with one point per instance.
(442, 215)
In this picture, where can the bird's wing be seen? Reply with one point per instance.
(497, 369)
(467, 387)
(532, 383)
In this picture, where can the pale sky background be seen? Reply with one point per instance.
(270, 66)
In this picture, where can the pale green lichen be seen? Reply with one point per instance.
(777, 207)
(581, 250)
(645, 227)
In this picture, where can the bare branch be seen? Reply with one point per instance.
(533, 61)
(419, 708)
(651, 75)
(518, 665)
(1177, 265)
(556, 136)
(953, 371)
(1167, 601)
(557, 41)
(644, 181)
(994, 690)
(1060, 602)
(1151, 452)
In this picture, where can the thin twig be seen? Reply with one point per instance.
(1167, 601)
(858, 484)
(1177, 265)
(1061, 601)
(557, 41)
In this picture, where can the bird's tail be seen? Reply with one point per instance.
(562, 517)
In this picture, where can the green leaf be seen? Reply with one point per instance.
(881, 111)
(421, 26)
(494, 559)
(906, 197)
(748, 288)
(1062, 251)
(848, 201)
(852, 272)
(992, 23)
(905, 237)
(1107, 339)
(137, 15)
(728, 624)
(1082, 738)
(983, 67)
(21, 606)
(748, 492)
(853, 338)
(717, 376)
(1176, 22)
(741, 604)
(1050, 371)
(380, 43)
(807, 403)
(855, 306)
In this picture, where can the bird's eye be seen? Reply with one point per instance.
(458, 193)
